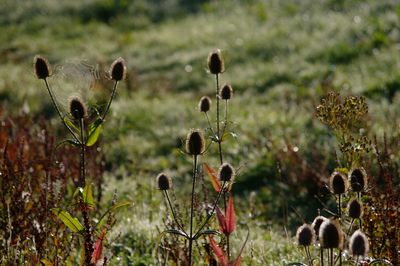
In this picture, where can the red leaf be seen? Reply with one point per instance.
(230, 217)
(218, 251)
(221, 220)
(213, 177)
(98, 247)
(236, 262)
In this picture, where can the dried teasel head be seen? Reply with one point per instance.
(77, 108)
(358, 179)
(164, 182)
(226, 172)
(358, 244)
(338, 183)
(216, 62)
(316, 224)
(205, 104)
(42, 67)
(195, 143)
(118, 69)
(305, 235)
(354, 209)
(331, 235)
(226, 92)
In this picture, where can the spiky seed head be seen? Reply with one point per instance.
(195, 143)
(316, 224)
(338, 183)
(118, 69)
(330, 234)
(226, 172)
(42, 67)
(305, 235)
(226, 92)
(355, 209)
(77, 108)
(216, 62)
(164, 182)
(205, 104)
(358, 244)
(358, 179)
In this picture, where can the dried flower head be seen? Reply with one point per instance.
(42, 67)
(358, 179)
(316, 224)
(205, 104)
(358, 244)
(338, 183)
(330, 234)
(195, 143)
(164, 182)
(226, 92)
(226, 172)
(77, 108)
(355, 209)
(305, 235)
(216, 62)
(118, 69)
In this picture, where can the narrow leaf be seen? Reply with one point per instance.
(88, 196)
(68, 141)
(207, 232)
(72, 222)
(221, 221)
(213, 177)
(230, 216)
(175, 232)
(94, 132)
(69, 123)
(238, 260)
(98, 247)
(115, 207)
(218, 252)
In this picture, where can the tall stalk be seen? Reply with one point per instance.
(192, 209)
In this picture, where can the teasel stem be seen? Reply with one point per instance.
(192, 209)
(110, 101)
(218, 126)
(88, 242)
(331, 256)
(59, 112)
(209, 124)
(307, 250)
(82, 176)
(173, 211)
(226, 118)
(350, 227)
(321, 253)
(339, 206)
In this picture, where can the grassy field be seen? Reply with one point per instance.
(281, 58)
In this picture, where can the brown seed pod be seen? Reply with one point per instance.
(226, 92)
(118, 69)
(195, 143)
(216, 62)
(205, 104)
(77, 108)
(164, 182)
(42, 67)
(358, 244)
(305, 235)
(316, 224)
(358, 179)
(330, 234)
(338, 183)
(226, 172)
(355, 209)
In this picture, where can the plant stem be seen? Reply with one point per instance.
(82, 176)
(173, 212)
(308, 255)
(340, 207)
(111, 99)
(321, 253)
(218, 126)
(192, 209)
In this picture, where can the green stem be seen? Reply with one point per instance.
(192, 209)
(218, 126)
(321, 253)
(111, 99)
(340, 207)
(82, 177)
(173, 212)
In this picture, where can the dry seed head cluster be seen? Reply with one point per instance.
(355, 209)
(77, 108)
(316, 224)
(358, 179)
(205, 104)
(226, 92)
(118, 69)
(226, 172)
(164, 182)
(216, 62)
(358, 244)
(330, 234)
(42, 67)
(195, 143)
(305, 235)
(338, 183)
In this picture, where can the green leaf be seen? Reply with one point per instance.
(70, 124)
(174, 232)
(71, 142)
(87, 196)
(72, 222)
(115, 207)
(207, 232)
(46, 262)
(94, 132)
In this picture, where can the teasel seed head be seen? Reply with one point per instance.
(355, 209)
(358, 244)
(205, 104)
(331, 235)
(42, 67)
(118, 69)
(77, 108)
(226, 172)
(216, 62)
(316, 224)
(338, 183)
(358, 179)
(305, 235)
(226, 92)
(164, 182)
(195, 143)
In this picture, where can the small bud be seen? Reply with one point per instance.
(195, 143)
(330, 234)
(355, 209)
(42, 67)
(118, 69)
(226, 92)
(358, 244)
(205, 104)
(77, 108)
(358, 179)
(316, 224)
(305, 235)
(338, 183)
(226, 172)
(164, 182)
(216, 62)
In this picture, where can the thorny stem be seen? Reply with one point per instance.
(209, 124)
(173, 212)
(226, 117)
(82, 177)
(331, 256)
(109, 102)
(321, 253)
(308, 255)
(218, 128)
(192, 209)
(339, 207)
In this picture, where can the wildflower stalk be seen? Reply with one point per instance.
(173, 212)
(82, 177)
(192, 209)
(110, 101)
(218, 126)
